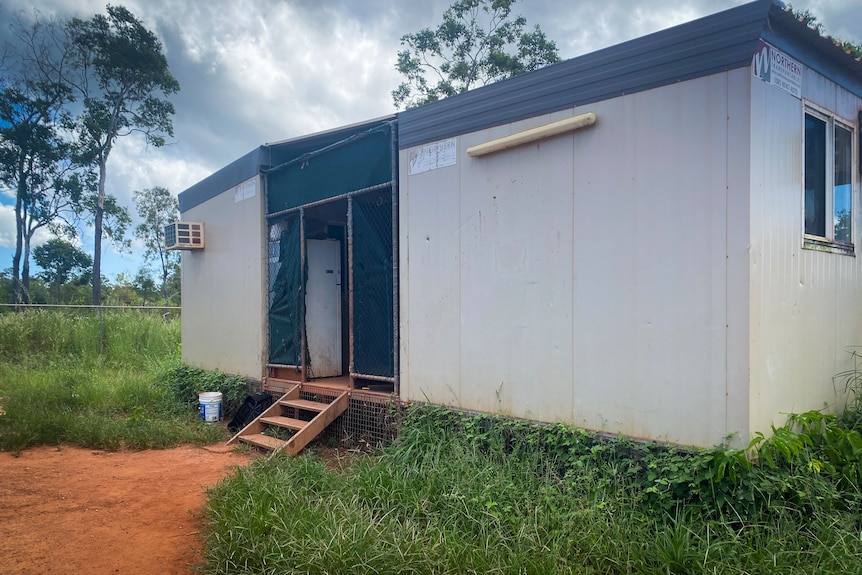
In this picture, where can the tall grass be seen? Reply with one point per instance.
(72, 377)
(438, 501)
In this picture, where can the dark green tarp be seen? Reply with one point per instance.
(288, 291)
(360, 162)
(373, 343)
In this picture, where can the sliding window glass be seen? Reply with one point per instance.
(828, 183)
(843, 185)
(815, 176)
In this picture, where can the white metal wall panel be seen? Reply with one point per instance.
(806, 311)
(650, 311)
(516, 276)
(223, 285)
(430, 269)
(592, 269)
(739, 154)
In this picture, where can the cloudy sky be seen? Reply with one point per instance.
(257, 71)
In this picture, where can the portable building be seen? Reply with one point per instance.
(656, 239)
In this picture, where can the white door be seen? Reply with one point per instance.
(323, 307)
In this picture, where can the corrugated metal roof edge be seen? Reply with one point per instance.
(229, 176)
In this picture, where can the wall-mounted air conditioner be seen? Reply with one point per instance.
(184, 236)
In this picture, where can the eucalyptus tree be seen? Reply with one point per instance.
(157, 208)
(124, 82)
(60, 261)
(35, 156)
(477, 43)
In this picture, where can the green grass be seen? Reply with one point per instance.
(118, 382)
(475, 498)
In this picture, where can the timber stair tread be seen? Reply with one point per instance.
(304, 404)
(264, 441)
(319, 415)
(282, 421)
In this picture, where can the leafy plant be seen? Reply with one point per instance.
(185, 383)
(477, 43)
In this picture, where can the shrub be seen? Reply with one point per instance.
(185, 383)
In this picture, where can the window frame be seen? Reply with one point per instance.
(827, 242)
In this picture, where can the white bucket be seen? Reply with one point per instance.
(210, 406)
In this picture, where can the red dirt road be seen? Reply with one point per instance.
(70, 510)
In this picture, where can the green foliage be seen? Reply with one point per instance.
(459, 493)
(62, 381)
(185, 383)
(124, 82)
(478, 42)
(59, 259)
(158, 208)
(34, 156)
(810, 20)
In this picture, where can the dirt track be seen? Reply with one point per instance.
(72, 510)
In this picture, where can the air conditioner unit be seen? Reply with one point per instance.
(184, 236)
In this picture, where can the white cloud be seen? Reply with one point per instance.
(267, 70)
(7, 226)
(7, 230)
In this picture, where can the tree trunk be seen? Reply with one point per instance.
(25, 270)
(17, 296)
(164, 262)
(97, 224)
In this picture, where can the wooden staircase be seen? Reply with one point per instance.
(305, 418)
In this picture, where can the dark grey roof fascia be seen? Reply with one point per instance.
(713, 44)
(231, 175)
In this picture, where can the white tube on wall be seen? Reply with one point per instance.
(533, 134)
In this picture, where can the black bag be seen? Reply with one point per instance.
(251, 408)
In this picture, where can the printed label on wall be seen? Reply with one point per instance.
(245, 191)
(432, 156)
(777, 68)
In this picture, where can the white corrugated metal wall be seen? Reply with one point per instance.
(806, 305)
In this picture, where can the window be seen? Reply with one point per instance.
(828, 183)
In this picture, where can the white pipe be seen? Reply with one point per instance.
(533, 134)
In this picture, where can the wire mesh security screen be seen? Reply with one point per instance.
(373, 333)
(359, 162)
(286, 292)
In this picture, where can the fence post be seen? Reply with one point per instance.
(101, 333)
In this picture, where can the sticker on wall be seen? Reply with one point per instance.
(245, 191)
(432, 156)
(777, 68)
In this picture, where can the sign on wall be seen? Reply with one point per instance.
(432, 156)
(245, 191)
(777, 68)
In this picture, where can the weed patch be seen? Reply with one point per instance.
(104, 383)
(469, 494)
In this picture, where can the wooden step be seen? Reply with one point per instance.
(312, 428)
(282, 421)
(304, 404)
(263, 441)
(306, 431)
